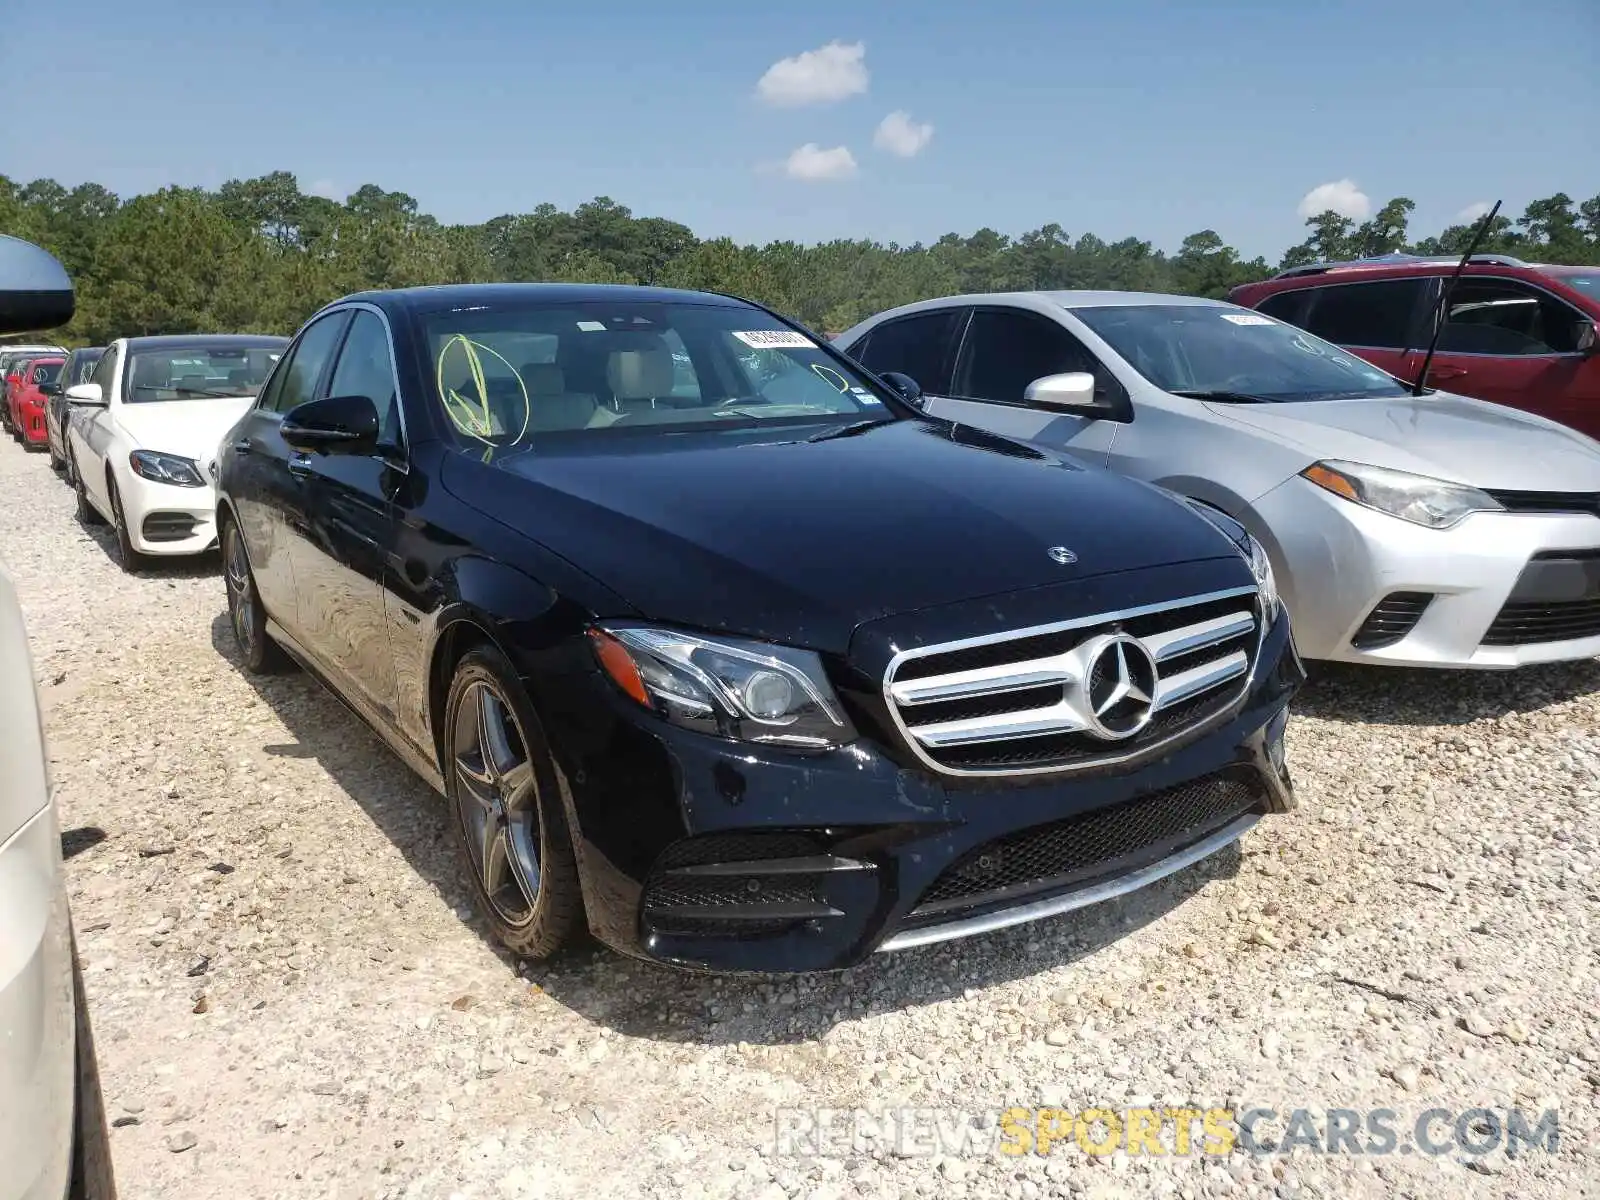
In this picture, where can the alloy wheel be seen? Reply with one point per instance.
(241, 590)
(497, 798)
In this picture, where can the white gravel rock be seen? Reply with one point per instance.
(1422, 931)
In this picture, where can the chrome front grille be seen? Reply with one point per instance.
(1076, 694)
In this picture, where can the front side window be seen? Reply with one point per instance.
(83, 368)
(105, 371)
(916, 346)
(1229, 354)
(508, 374)
(1382, 314)
(297, 381)
(1004, 351)
(1505, 317)
(197, 372)
(366, 369)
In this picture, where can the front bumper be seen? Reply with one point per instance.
(1337, 561)
(37, 1039)
(164, 519)
(824, 860)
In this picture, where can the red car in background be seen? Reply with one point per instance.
(27, 403)
(1519, 334)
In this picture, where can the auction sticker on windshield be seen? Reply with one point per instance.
(1246, 319)
(774, 339)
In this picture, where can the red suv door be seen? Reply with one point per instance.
(1377, 319)
(1516, 343)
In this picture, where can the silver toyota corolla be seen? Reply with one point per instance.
(1422, 531)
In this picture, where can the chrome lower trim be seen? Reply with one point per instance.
(1082, 898)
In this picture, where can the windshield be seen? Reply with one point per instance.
(197, 372)
(1587, 282)
(47, 372)
(508, 374)
(1234, 354)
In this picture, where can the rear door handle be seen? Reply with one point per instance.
(243, 446)
(300, 465)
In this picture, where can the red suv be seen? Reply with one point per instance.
(27, 402)
(1517, 333)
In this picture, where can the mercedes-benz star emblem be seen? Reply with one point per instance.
(1061, 555)
(1121, 691)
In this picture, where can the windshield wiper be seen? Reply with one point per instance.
(850, 430)
(1223, 397)
(183, 391)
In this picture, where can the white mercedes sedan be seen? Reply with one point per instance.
(144, 426)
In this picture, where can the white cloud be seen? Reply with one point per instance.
(819, 76)
(1473, 212)
(327, 188)
(814, 164)
(1342, 196)
(899, 134)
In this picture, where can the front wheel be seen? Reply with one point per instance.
(92, 1176)
(132, 561)
(502, 786)
(262, 655)
(87, 513)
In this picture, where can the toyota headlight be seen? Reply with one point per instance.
(751, 691)
(166, 468)
(1433, 503)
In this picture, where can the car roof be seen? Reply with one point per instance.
(186, 341)
(1045, 300)
(435, 297)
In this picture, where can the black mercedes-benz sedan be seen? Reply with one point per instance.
(713, 642)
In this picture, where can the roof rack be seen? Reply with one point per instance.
(1387, 260)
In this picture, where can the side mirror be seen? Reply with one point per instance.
(332, 425)
(1589, 337)
(35, 292)
(1071, 392)
(907, 388)
(86, 394)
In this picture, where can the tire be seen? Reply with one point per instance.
(92, 1175)
(56, 461)
(88, 514)
(503, 791)
(246, 615)
(132, 561)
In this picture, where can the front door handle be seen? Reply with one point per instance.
(1446, 372)
(243, 446)
(300, 465)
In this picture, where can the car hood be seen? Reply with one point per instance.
(799, 542)
(1442, 435)
(191, 428)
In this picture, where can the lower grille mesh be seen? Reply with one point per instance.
(1391, 619)
(687, 904)
(1087, 847)
(1525, 624)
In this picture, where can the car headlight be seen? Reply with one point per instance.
(166, 468)
(751, 691)
(1249, 549)
(1434, 503)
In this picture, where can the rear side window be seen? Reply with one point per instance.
(1382, 314)
(916, 346)
(366, 369)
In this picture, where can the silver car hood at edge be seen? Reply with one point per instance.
(1442, 435)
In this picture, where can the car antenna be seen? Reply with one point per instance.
(1442, 315)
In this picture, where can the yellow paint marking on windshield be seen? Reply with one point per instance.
(831, 376)
(474, 418)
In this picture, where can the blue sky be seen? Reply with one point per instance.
(1152, 118)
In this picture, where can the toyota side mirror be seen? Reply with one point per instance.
(87, 395)
(332, 425)
(35, 292)
(1070, 392)
(907, 388)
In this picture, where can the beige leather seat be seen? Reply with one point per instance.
(552, 406)
(639, 370)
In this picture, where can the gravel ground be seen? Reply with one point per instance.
(292, 997)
